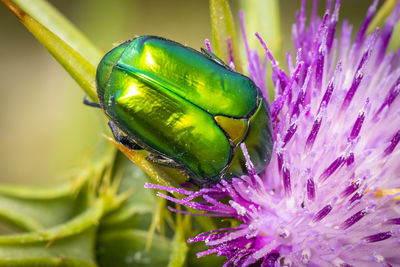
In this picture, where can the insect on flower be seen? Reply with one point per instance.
(329, 196)
(188, 109)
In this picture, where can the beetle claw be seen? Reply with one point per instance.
(90, 104)
(121, 138)
(162, 161)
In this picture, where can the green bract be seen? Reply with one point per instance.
(188, 109)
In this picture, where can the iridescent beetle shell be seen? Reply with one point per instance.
(188, 109)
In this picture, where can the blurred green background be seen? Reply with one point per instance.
(46, 131)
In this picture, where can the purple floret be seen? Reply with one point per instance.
(336, 128)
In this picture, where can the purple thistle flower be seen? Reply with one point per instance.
(336, 126)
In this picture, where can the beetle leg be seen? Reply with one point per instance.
(121, 138)
(163, 161)
(90, 104)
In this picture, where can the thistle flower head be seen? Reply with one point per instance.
(328, 196)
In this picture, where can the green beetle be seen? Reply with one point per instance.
(188, 109)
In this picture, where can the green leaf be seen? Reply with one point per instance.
(75, 250)
(124, 232)
(19, 220)
(32, 209)
(179, 245)
(223, 27)
(137, 210)
(78, 224)
(41, 193)
(67, 220)
(127, 248)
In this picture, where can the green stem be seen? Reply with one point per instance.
(81, 70)
(222, 29)
(382, 14)
(57, 23)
